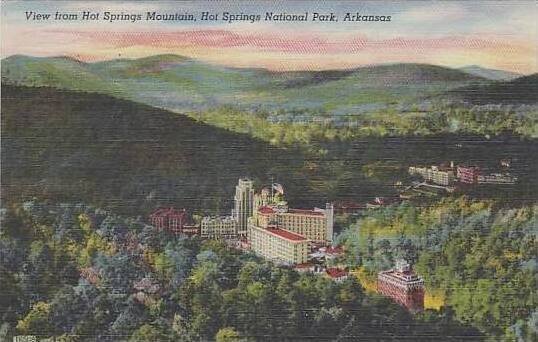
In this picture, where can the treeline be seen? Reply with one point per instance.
(78, 273)
(478, 259)
(446, 119)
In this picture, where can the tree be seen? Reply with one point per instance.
(227, 334)
(37, 321)
(148, 332)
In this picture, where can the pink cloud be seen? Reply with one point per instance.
(270, 42)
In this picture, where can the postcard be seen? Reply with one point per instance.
(269, 171)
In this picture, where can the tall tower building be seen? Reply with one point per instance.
(329, 216)
(244, 204)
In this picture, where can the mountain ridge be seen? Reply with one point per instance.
(492, 74)
(184, 84)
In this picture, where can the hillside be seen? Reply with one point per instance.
(98, 149)
(522, 90)
(182, 84)
(490, 74)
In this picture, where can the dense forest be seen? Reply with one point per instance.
(91, 148)
(477, 258)
(79, 273)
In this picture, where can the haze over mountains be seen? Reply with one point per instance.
(183, 84)
(491, 74)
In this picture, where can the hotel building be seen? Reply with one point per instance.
(403, 286)
(218, 227)
(468, 174)
(244, 204)
(278, 245)
(434, 174)
(315, 225)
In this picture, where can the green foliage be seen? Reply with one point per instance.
(480, 256)
(148, 332)
(36, 322)
(298, 107)
(227, 335)
(209, 291)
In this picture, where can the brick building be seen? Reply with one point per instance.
(402, 285)
(467, 174)
(169, 219)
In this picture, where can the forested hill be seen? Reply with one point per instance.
(183, 84)
(522, 90)
(120, 154)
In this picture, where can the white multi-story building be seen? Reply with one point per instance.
(435, 174)
(244, 204)
(218, 227)
(278, 245)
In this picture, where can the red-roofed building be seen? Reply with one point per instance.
(266, 210)
(403, 285)
(285, 234)
(169, 219)
(278, 244)
(314, 224)
(337, 274)
(305, 212)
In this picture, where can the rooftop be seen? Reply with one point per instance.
(168, 211)
(408, 276)
(305, 212)
(286, 234)
(336, 272)
(334, 250)
(266, 210)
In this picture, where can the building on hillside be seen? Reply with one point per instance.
(169, 219)
(332, 253)
(218, 227)
(467, 174)
(191, 229)
(279, 245)
(379, 202)
(315, 225)
(349, 207)
(269, 196)
(506, 163)
(243, 204)
(336, 274)
(497, 178)
(402, 285)
(435, 174)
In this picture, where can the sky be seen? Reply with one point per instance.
(493, 34)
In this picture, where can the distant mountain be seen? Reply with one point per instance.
(490, 74)
(522, 90)
(183, 84)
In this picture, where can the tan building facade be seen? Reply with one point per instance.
(218, 227)
(435, 174)
(278, 245)
(315, 225)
